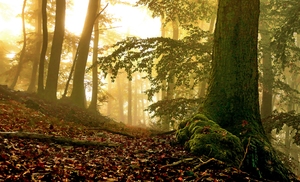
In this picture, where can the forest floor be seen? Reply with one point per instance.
(55, 141)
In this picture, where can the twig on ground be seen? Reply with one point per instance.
(246, 151)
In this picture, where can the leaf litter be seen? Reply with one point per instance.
(135, 156)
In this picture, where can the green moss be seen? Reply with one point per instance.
(205, 137)
(200, 117)
(182, 135)
(182, 124)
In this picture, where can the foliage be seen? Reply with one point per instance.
(161, 59)
(279, 119)
(184, 11)
(284, 40)
(205, 137)
(281, 19)
(178, 109)
(286, 93)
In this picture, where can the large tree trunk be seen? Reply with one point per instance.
(44, 48)
(232, 97)
(78, 91)
(233, 89)
(56, 50)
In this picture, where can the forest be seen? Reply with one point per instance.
(149, 90)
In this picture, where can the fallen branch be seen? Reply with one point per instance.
(178, 162)
(211, 162)
(156, 133)
(56, 139)
(111, 131)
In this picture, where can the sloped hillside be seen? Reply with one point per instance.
(55, 141)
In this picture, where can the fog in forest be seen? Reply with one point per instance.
(144, 65)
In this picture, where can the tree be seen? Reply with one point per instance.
(38, 38)
(129, 101)
(267, 77)
(78, 91)
(232, 98)
(44, 48)
(121, 90)
(23, 51)
(56, 50)
(93, 104)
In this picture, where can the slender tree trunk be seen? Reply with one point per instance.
(93, 104)
(171, 80)
(75, 53)
(44, 48)
(203, 83)
(56, 50)
(120, 99)
(109, 99)
(143, 105)
(163, 34)
(23, 51)
(267, 79)
(129, 119)
(38, 23)
(136, 101)
(78, 91)
(287, 142)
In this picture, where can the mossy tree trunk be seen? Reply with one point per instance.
(232, 96)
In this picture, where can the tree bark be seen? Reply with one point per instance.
(233, 88)
(120, 99)
(38, 23)
(232, 98)
(78, 91)
(93, 104)
(56, 50)
(267, 78)
(129, 116)
(203, 83)
(44, 48)
(109, 99)
(136, 101)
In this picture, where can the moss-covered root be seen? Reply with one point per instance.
(204, 137)
(261, 160)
